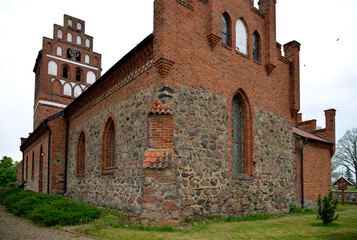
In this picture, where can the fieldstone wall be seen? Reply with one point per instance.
(206, 186)
(350, 196)
(273, 187)
(123, 189)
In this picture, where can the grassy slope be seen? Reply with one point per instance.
(287, 227)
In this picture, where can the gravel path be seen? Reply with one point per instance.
(12, 227)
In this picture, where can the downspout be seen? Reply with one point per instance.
(49, 162)
(66, 158)
(302, 175)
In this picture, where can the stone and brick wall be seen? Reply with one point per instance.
(350, 196)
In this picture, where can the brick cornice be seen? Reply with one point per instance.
(213, 40)
(163, 66)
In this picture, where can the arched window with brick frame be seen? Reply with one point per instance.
(27, 168)
(256, 46)
(226, 29)
(81, 154)
(241, 119)
(33, 166)
(108, 147)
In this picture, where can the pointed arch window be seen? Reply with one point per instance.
(78, 75)
(109, 147)
(256, 47)
(226, 29)
(27, 167)
(59, 33)
(65, 72)
(242, 158)
(241, 37)
(81, 154)
(237, 136)
(33, 166)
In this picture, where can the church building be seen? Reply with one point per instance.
(201, 118)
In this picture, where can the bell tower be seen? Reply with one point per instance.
(65, 67)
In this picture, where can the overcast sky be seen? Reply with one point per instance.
(328, 67)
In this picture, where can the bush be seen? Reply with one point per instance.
(326, 208)
(47, 210)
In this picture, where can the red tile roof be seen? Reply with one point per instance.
(343, 178)
(158, 158)
(305, 133)
(156, 108)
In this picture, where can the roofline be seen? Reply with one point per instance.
(328, 141)
(130, 54)
(40, 126)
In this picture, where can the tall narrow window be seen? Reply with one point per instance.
(81, 154)
(79, 26)
(33, 166)
(27, 167)
(69, 22)
(109, 146)
(69, 37)
(78, 56)
(226, 29)
(78, 75)
(241, 37)
(237, 136)
(87, 42)
(65, 72)
(256, 47)
(59, 33)
(79, 40)
(59, 51)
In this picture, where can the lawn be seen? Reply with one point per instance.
(289, 226)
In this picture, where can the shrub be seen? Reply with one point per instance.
(47, 210)
(326, 208)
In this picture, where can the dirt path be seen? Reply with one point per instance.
(12, 227)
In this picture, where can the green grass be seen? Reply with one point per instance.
(47, 210)
(290, 226)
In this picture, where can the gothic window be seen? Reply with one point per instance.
(65, 72)
(79, 26)
(241, 37)
(226, 29)
(27, 167)
(109, 146)
(78, 75)
(69, 22)
(237, 136)
(87, 43)
(59, 51)
(69, 37)
(79, 40)
(256, 47)
(33, 166)
(59, 33)
(81, 154)
(52, 68)
(86, 59)
(90, 77)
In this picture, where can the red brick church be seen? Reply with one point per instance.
(201, 118)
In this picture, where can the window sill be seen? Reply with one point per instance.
(242, 177)
(257, 62)
(227, 46)
(109, 171)
(242, 54)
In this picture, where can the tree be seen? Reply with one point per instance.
(348, 175)
(346, 151)
(7, 171)
(335, 172)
